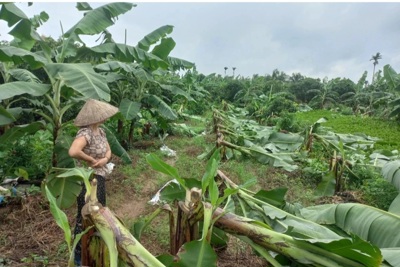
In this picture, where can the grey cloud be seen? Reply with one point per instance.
(315, 39)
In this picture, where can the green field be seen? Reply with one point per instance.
(387, 131)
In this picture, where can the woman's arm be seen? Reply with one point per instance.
(76, 151)
(108, 153)
(103, 161)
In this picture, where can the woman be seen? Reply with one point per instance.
(91, 147)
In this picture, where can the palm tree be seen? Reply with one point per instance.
(225, 70)
(234, 68)
(375, 62)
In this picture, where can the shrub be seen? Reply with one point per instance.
(346, 110)
(30, 153)
(378, 193)
(280, 105)
(287, 122)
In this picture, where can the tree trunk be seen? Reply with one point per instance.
(120, 243)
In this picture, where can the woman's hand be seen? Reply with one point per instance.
(100, 163)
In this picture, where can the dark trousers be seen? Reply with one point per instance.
(101, 197)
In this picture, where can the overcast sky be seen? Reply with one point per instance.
(315, 39)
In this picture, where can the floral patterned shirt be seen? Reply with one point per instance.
(96, 146)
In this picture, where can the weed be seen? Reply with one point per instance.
(379, 193)
(62, 250)
(34, 258)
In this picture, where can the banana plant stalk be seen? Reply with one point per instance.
(119, 241)
(262, 235)
(299, 250)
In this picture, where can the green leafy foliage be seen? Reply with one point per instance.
(59, 216)
(371, 224)
(30, 153)
(195, 253)
(66, 184)
(378, 193)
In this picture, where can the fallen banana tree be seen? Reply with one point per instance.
(119, 241)
(280, 237)
(106, 241)
(301, 250)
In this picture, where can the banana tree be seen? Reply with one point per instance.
(246, 137)
(132, 82)
(325, 95)
(66, 84)
(354, 98)
(393, 80)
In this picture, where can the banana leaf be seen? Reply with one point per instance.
(154, 37)
(17, 132)
(8, 90)
(65, 184)
(19, 56)
(390, 171)
(97, 20)
(6, 117)
(374, 225)
(82, 78)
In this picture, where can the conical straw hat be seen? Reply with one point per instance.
(94, 111)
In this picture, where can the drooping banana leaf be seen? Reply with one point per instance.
(196, 253)
(82, 78)
(97, 20)
(6, 117)
(17, 132)
(23, 75)
(154, 37)
(19, 55)
(63, 143)
(11, 13)
(12, 89)
(391, 76)
(59, 216)
(275, 197)
(327, 185)
(127, 53)
(374, 225)
(116, 147)
(114, 66)
(163, 49)
(177, 63)
(163, 109)
(129, 109)
(176, 91)
(65, 185)
(390, 171)
(114, 70)
(391, 255)
(283, 160)
(24, 29)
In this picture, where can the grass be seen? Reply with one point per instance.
(388, 131)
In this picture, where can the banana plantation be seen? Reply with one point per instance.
(266, 120)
